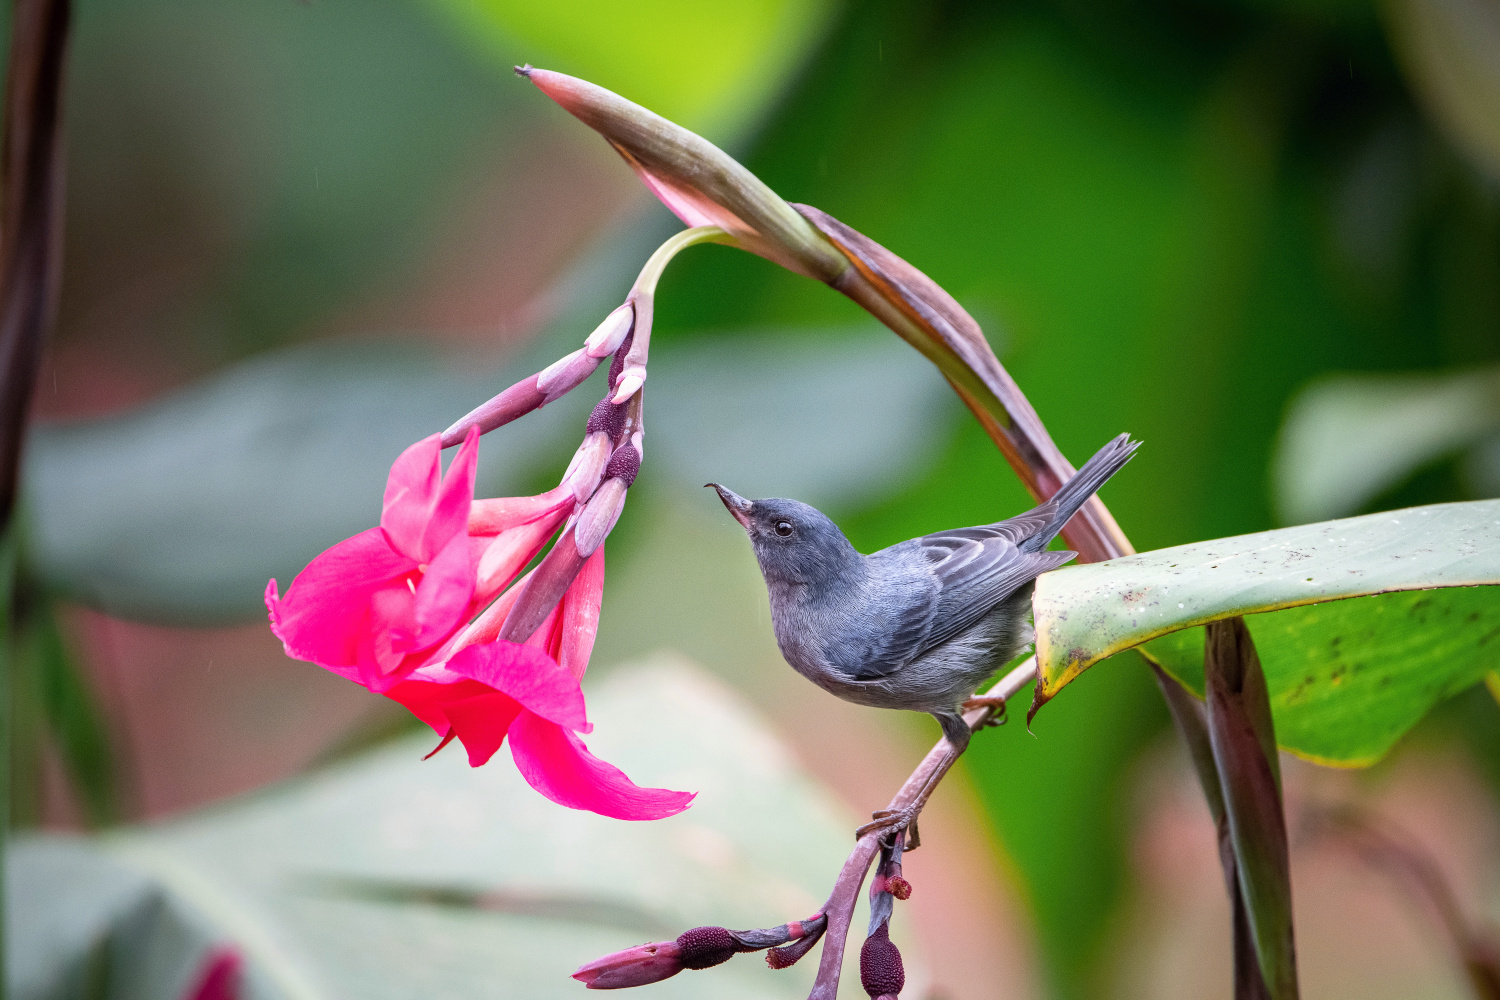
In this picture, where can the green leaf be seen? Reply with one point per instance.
(1346, 678)
(1349, 678)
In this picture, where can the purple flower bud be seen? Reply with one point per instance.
(586, 470)
(631, 380)
(805, 935)
(565, 374)
(599, 515)
(607, 336)
(543, 589)
(517, 401)
(880, 969)
(638, 966)
(623, 465)
(705, 947)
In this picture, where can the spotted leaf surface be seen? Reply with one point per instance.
(1346, 677)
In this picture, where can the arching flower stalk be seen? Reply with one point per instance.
(431, 608)
(705, 186)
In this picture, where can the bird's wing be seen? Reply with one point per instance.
(966, 573)
(1013, 529)
(976, 573)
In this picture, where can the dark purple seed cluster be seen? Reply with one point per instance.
(623, 464)
(607, 417)
(705, 947)
(617, 364)
(880, 969)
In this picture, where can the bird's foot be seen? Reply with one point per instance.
(891, 822)
(995, 716)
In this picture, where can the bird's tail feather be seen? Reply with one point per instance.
(1076, 491)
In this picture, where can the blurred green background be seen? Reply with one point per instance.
(302, 235)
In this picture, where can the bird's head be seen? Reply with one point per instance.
(794, 543)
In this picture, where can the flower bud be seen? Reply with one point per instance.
(880, 969)
(608, 335)
(804, 934)
(544, 587)
(517, 401)
(587, 467)
(600, 515)
(694, 178)
(564, 375)
(631, 380)
(638, 966)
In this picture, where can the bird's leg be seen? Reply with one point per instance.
(903, 815)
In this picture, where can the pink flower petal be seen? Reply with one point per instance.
(511, 550)
(427, 699)
(441, 601)
(580, 616)
(423, 510)
(324, 616)
(218, 978)
(481, 724)
(556, 763)
(474, 713)
(529, 676)
(485, 627)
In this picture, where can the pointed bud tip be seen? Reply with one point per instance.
(524, 71)
(638, 966)
(630, 384)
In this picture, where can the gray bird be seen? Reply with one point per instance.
(922, 624)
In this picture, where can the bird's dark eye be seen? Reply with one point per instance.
(783, 528)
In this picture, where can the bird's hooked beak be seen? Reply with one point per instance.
(734, 503)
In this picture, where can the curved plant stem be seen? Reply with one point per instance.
(913, 794)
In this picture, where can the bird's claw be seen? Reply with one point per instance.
(891, 822)
(995, 706)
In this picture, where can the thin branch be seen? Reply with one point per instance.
(31, 175)
(913, 795)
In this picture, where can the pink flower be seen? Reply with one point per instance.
(373, 607)
(529, 692)
(413, 610)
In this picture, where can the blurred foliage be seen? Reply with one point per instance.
(53, 711)
(1169, 215)
(1350, 438)
(392, 877)
(238, 170)
(709, 67)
